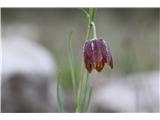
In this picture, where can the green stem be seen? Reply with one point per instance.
(88, 31)
(94, 29)
(78, 109)
(86, 93)
(89, 100)
(81, 91)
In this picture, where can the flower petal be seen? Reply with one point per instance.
(97, 52)
(87, 54)
(106, 53)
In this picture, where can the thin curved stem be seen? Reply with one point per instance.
(94, 30)
(82, 90)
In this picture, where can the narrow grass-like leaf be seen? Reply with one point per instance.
(59, 102)
(85, 12)
(71, 61)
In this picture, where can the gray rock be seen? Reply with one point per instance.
(135, 93)
(28, 77)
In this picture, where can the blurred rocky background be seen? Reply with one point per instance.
(34, 45)
(28, 77)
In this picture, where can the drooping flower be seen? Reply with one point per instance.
(96, 53)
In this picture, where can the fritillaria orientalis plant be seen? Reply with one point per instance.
(96, 53)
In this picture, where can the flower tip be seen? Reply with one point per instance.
(111, 64)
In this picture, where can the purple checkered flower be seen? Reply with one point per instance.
(96, 53)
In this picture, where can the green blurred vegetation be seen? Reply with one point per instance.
(131, 33)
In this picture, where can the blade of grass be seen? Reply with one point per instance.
(59, 102)
(71, 61)
(85, 12)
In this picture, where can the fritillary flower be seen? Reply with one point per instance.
(96, 53)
